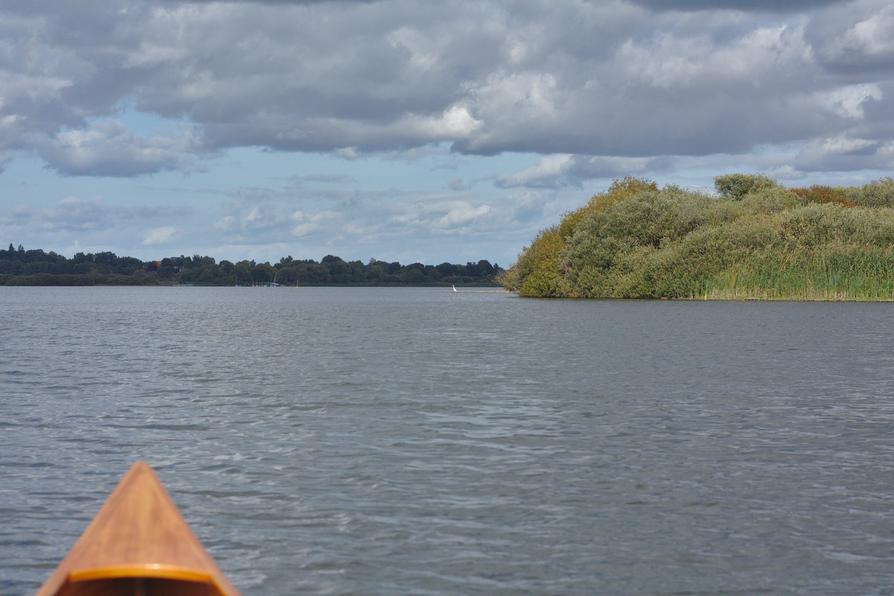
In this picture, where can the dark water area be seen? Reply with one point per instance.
(392, 441)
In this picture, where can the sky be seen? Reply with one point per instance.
(410, 130)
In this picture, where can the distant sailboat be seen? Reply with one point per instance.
(454, 287)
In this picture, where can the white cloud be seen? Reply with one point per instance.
(544, 173)
(785, 172)
(455, 123)
(441, 215)
(349, 153)
(160, 235)
(848, 101)
(673, 61)
(252, 216)
(844, 153)
(869, 37)
(422, 51)
(308, 222)
(875, 35)
(227, 223)
(841, 146)
(108, 148)
(460, 213)
(553, 171)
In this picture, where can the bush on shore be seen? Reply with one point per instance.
(756, 240)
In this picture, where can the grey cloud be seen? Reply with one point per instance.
(110, 149)
(281, 2)
(74, 214)
(457, 185)
(529, 207)
(744, 5)
(585, 168)
(263, 215)
(5, 158)
(17, 215)
(845, 154)
(326, 178)
(598, 78)
(556, 171)
(280, 213)
(855, 38)
(265, 221)
(681, 95)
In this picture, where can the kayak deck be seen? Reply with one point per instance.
(138, 543)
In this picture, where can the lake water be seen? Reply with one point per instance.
(395, 441)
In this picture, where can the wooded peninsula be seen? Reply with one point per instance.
(20, 267)
(754, 239)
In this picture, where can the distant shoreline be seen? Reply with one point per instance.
(20, 267)
(494, 286)
(88, 284)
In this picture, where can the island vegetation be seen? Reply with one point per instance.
(37, 267)
(753, 239)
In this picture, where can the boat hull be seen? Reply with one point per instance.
(138, 543)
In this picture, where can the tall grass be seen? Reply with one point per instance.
(756, 241)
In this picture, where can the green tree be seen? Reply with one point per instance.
(243, 273)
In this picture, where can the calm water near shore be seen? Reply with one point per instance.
(392, 441)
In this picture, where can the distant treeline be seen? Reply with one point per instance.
(754, 239)
(38, 268)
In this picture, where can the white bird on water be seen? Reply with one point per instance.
(454, 287)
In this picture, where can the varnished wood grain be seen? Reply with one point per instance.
(138, 543)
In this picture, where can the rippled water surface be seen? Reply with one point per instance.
(390, 441)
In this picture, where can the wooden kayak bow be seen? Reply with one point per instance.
(138, 543)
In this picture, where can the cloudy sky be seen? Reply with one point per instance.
(413, 130)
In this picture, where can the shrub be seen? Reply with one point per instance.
(618, 191)
(634, 241)
(875, 194)
(770, 200)
(537, 271)
(736, 186)
(652, 219)
(540, 270)
(824, 194)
